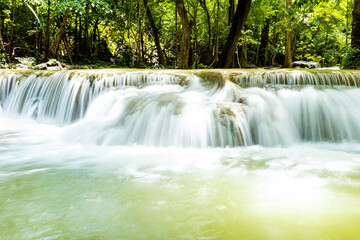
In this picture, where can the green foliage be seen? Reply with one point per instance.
(2, 60)
(118, 32)
(28, 61)
(349, 58)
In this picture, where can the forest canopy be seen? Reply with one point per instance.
(180, 33)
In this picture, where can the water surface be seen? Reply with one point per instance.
(51, 189)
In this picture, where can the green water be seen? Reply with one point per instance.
(53, 190)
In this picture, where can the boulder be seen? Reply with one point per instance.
(305, 64)
(272, 67)
(23, 66)
(81, 66)
(251, 66)
(41, 66)
(53, 68)
(52, 64)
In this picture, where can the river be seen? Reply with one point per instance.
(169, 157)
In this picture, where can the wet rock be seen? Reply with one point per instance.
(23, 66)
(52, 64)
(272, 67)
(53, 68)
(305, 64)
(211, 77)
(41, 66)
(251, 66)
(81, 66)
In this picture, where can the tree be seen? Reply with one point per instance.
(186, 35)
(156, 33)
(264, 44)
(355, 33)
(288, 58)
(237, 24)
(47, 37)
(2, 47)
(136, 33)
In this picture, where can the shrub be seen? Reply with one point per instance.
(350, 58)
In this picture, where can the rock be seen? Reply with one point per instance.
(305, 64)
(272, 67)
(41, 66)
(55, 63)
(53, 68)
(23, 66)
(52, 62)
(250, 66)
(74, 67)
(81, 66)
(52, 65)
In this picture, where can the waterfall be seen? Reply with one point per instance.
(163, 116)
(186, 108)
(63, 97)
(297, 78)
(289, 116)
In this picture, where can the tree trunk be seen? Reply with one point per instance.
(325, 49)
(68, 50)
(186, 35)
(264, 44)
(193, 44)
(355, 33)
(81, 38)
(216, 58)
(138, 39)
(274, 42)
(231, 11)
(39, 35)
(176, 38)
(95, 27)
(207, 56)
(86, 30)
(243, 60)
(238, 22)
(347, 23)
(156, 33)
(288, 58)
(12, 19)
(208, 20)
(77, 38)
(61, 32)
(47, 37)
(3, 48)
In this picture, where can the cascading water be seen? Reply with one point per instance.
(63, 97)
(297, 78)
(154, 110)
(287, 116)
(123, 154)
